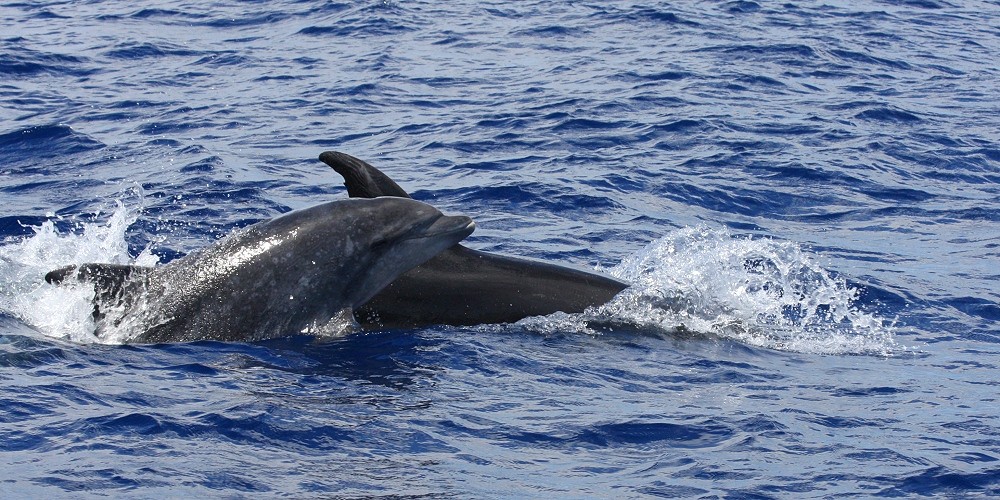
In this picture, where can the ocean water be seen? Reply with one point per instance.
(805, 196)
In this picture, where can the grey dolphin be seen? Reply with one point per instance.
(461, 286)
(303, 272)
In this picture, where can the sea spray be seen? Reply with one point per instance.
(758, 291)
(65, 311)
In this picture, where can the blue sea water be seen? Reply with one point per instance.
(806, 196)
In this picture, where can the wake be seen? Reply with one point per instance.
(757, 291)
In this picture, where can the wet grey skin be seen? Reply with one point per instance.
(302, 272)
(462, 286)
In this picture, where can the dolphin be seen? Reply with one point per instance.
(303, 272)
(462, 286)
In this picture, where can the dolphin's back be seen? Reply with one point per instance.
(462, 286)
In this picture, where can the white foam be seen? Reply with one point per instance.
(64, 311)
(755, 290)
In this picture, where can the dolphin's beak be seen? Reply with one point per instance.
(456, 226)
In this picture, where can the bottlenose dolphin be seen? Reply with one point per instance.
(302, 272)
(461, 286)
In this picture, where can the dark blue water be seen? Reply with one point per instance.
(817, 184)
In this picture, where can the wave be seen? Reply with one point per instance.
(44, 141)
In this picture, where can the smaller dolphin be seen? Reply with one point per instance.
(303, 272)
(462, 286)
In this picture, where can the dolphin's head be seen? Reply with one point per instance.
(355, 248)
(403, 234)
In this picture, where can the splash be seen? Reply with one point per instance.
(755, 290)
(64, 312)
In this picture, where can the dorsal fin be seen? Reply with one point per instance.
(362, 180)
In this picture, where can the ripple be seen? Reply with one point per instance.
(890, 115)
(143, 50)
(19, 61)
